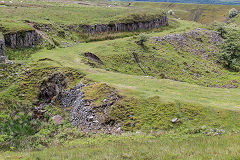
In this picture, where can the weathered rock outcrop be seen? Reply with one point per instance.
(22, 39)
(2, 51)
(131, 25)
(123, 27)
(52, 87)
(87, 115)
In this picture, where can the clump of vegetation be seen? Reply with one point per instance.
(230, 55)
(171, 12)
(142, 39)
(232, 13)
(97, 92)
(221, 30)
(21, 53)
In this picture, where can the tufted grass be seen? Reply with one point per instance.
(133, 146)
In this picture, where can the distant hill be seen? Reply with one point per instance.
(223, 2)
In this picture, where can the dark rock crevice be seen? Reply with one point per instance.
(93, 57)
(52, 88)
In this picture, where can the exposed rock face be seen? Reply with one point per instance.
(2, 51)
(112, 27)
(22, 39)
(122, 27)
(57, 120)
(51, 88)
(87, 116)
(93, 57)
(91, 115)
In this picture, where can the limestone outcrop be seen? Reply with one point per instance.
(129, 26)
(122, 27)
(2, 51)
(22, 39)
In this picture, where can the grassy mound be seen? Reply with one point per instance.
(154, 114)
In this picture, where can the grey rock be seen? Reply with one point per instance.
(174, 120)
(2, 51)
(84, 115)
(90, 118)
(57, 120)
(118, 130)
(119, 27)
(22, 39)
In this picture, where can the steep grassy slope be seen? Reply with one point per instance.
(171, 90)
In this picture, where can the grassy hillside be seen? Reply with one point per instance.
(167, 85)
(142, 96)
(48, 12)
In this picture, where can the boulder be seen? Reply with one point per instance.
(174, 120)
(57, 120)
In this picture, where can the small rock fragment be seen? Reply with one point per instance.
(174, 120)
(57, 120)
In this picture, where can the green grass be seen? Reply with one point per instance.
(130, 146)
(171, 90)
(1, 35)
(235, 21)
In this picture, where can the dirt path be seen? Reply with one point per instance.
(43, 35)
